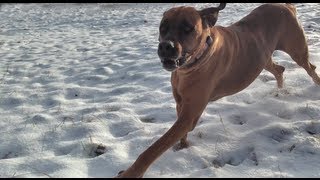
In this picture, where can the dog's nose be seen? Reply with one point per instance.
(166, 48)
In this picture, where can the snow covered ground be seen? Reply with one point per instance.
(83, 93)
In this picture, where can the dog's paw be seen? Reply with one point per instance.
(129, 174)
(119, 174)
(179, 146)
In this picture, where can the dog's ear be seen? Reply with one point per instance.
(209, 16)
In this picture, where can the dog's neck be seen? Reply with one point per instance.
(201, 52)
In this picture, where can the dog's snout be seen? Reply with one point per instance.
(166, 45)
(166, 48)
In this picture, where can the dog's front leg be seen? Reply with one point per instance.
(196, 113)
(184, 143)
(179, 129)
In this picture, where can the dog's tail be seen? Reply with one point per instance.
(221, 6)
(292, 8)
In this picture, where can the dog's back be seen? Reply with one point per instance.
(266, 16)
(248, 46)
(292, 8)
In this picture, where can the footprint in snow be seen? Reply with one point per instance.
(236, 157)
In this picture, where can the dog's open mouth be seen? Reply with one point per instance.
(172, 64)
(169, 64)
(180, 61)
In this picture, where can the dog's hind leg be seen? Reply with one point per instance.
(310, 68)
(276, 70)
(313, 73)
(303, 61)
(301, 57)
(294, 43)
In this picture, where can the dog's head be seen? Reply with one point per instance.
(182, 30)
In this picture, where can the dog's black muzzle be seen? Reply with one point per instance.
(168, 55)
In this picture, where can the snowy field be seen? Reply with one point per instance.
(83, 93)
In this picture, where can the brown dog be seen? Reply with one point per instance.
(209, 62)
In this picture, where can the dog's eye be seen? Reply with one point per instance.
(163, 30)
(188, 29)
(163, 26)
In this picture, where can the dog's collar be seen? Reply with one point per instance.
(208, 43)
